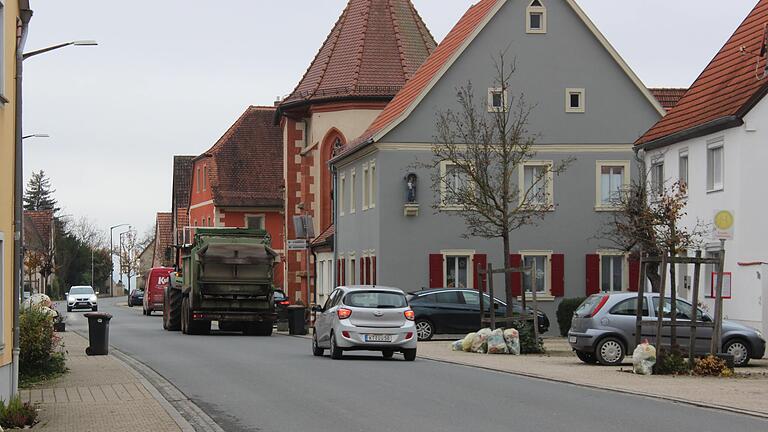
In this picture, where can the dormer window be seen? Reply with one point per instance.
(497, 100)
(536, 18)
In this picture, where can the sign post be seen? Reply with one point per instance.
(723, 230)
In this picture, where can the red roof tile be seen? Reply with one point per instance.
(727, 88)
(182, 180)
(372, 51)
(668, 97)
(163, 240)
(37, 229)
(247, 162)
(442, 54)
(324, 237)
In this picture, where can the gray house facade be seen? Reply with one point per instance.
(588, 105)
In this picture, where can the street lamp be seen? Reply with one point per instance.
(36, 136)
(112, 258)
(25, 15)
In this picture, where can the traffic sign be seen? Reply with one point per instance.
(724, 222)
(294, 245)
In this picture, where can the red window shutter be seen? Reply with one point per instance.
(343, 271)
(362, 270)
(558, 275)
(373, 270)
(436, 271)
(634, 273)
(593, 274)
(481, 261)
(516, 260)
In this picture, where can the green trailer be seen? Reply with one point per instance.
(226, 275)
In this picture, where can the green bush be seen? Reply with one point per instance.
(528, 345)
(565, 312)
(671, 362)
(40, 355)
(17, 414)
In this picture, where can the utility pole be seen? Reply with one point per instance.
(112, 258)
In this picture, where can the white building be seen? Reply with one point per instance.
(716, 141)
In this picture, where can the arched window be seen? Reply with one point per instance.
(333, 141)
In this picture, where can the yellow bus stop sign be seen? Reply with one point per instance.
(724, 222)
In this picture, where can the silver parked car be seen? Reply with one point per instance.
(371, 318)
(603, 329)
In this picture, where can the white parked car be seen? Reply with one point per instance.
(82, 297)
(368, 318)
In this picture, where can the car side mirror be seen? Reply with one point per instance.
(66, 294)
(317, 308)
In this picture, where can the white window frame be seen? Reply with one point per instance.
(550, 183)
(352, 177)
(351, 263)
(504, 100)
(599, 206)
(366, 185)
(582, 98)
(460, 253)
(547, 254)
(198, 179)
(372, 179)
(657, 177)
(530, 10)
(443, 204)
(3, 272)
(624, 268)
(685, 179)
(715, 144)
(261, 216)
(342, 191)
(205, 176)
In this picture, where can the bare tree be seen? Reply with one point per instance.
(130, 250)
(478, 152)
(89, 233)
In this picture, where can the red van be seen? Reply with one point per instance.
(157, 279)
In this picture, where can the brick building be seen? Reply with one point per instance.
(371, 52)
(238, 181)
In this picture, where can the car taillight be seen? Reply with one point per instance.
(343, 313)
(409, 315)
(284, 302)
(598, 307)
(408, 335)
(345, 334)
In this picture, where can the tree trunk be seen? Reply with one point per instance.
(652, 273)
(507, 275)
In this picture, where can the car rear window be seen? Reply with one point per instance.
(279, 295)
(375, 299)
(588, 305)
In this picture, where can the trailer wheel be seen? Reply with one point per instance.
(172, 309)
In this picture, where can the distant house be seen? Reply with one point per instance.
(163, 254)
(145, 263)
(588, 105)
(716, 141)
(374, 48)
(182, 180)
(238, 181)
(39, 249)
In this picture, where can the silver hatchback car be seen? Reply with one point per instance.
(365, 317)
(603, 329)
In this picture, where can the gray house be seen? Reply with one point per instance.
(588, 105)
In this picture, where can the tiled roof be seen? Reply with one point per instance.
(37, 228)
(163, 239)
(725, 90)
(247, 162)
(373, 50)
(324, 237)
(668, 97)
(442, 54)
(182, 180)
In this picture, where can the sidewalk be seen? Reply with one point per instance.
(745, 393)
(99, 394)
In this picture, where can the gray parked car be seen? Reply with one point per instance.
(370, 318)
(603, 329)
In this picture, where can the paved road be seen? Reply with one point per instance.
(275, 384)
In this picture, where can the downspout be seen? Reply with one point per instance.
(334, 276)
(18, 251)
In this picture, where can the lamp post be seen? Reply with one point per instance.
(39, 135)
(25, 15)
(112, 257)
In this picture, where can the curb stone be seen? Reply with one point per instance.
(698, 404)
(187, 415)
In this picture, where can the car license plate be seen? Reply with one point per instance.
(572, 339)
(378, 338)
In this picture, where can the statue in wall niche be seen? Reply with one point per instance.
(410, 181)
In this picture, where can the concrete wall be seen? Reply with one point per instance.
(743, 193)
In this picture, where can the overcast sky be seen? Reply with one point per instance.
(169, 77)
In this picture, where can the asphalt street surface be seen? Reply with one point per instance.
(250, 383)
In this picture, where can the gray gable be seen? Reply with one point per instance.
(569, 55)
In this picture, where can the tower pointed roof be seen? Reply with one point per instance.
(373, 50)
